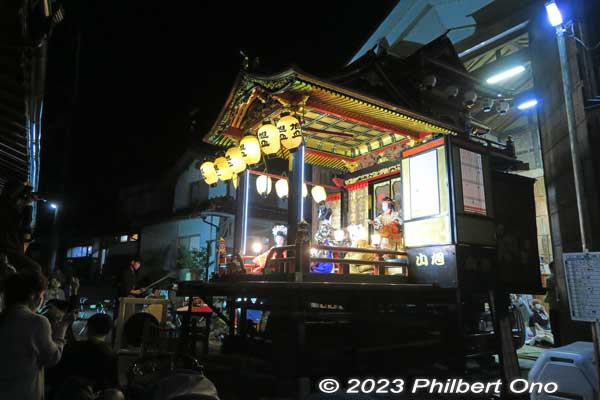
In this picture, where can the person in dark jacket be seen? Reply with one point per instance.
(132, 280)
(91, 359)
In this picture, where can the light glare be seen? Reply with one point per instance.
(256, 247)
(509, 73)
(527, 104)
(554, 15)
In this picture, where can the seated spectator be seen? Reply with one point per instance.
(540, 323)
(28, 342)
(91, 359)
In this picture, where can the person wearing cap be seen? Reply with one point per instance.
(388, 225)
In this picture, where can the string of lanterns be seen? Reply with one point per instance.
(268, 140)
(264, 186)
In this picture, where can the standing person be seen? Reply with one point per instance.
(388, 225)
(28, 342)
(323, 236)
(132, 279)
(130, 283)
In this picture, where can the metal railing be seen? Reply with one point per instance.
(289, 263)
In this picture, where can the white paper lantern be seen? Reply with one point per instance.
(235, 159)
(264, 184)
(282, 188)
(250, 148)
(290, 133)
(207, 169)
(268, 137)
(318, 194)
(224, 172)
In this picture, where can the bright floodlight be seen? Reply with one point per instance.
(554, 15)
(53, 206)
(256, 247)
(527, 104)
(509, 73)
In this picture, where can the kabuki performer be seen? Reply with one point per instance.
(358, 236)
(388, 226)
(323, 236)
(280, 237)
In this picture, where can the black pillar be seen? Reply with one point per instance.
(296, 201)
(241, 214)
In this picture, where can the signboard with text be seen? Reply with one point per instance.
(433, 264)
(582, 275)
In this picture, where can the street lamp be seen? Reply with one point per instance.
(556, 20)
(554, 14)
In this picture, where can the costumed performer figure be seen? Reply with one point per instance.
(388, 225)
(323, 236)
(280, 237)
(358, 236)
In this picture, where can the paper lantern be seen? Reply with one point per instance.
(282, 188)
(290, 133)
(250, 148)
(268, 137)
(264, 184)
(235, 159)
(223, 171)
(318, 194)
(304, 190)
(207, 169)
(235, 179)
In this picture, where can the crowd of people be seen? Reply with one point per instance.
(41, 357)
(45, 361)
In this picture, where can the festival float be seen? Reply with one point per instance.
(405, 233)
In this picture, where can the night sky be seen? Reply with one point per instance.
(145, 66)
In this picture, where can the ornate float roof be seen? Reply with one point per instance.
(340, 125)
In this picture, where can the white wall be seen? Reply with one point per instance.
(182, 188)
(159, 242)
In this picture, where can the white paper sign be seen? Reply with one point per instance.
(472, 182)
(424, 189)
(582, 273)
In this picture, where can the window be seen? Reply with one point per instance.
(189, 242)
(134, 238)
(79, 251)
(426, 199)
(123, 238)
(471, 167)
